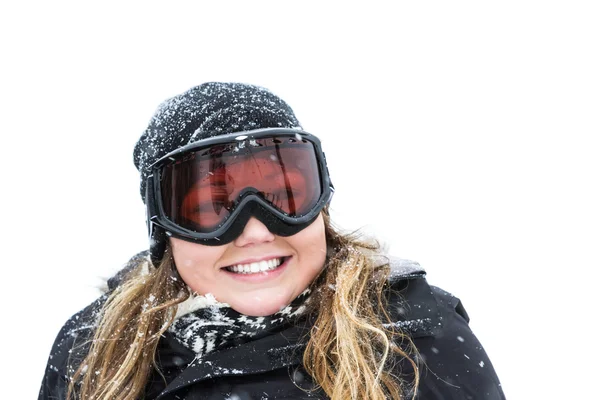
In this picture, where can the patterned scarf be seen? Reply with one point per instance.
(204, 325)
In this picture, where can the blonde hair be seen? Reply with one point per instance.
(348, 350)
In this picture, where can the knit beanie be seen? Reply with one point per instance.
(210, 109)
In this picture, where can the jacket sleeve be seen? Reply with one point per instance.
(456, 364)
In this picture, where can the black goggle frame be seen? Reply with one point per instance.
(251, 205)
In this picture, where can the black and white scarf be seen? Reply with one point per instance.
(203, 324)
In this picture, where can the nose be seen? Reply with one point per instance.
(255, 232)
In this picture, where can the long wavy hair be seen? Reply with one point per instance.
(348, 355)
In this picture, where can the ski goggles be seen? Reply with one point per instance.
(207, 191)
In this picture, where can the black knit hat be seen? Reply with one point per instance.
(211, 109)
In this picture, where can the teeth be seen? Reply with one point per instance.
(255, 267)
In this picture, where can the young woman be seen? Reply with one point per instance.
(247, 290)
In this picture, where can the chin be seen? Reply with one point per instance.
(254, 307)
(261, 311)
(262, 302)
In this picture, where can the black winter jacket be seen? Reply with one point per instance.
(457, 367)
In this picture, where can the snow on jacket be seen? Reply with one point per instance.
(457, 367)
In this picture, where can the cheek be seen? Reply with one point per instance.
(193, 259)
(312, 246)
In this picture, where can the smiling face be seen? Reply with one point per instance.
(259, 272)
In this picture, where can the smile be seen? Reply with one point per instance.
(255, 267)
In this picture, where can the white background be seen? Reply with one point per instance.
(463, 134)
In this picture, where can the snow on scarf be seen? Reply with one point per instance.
(203, 324)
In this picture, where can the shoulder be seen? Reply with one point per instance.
(412, 304)
(69, 349)
(73, 341)
(78, 329)
(409, 287)
(81, 326)
(455, 364)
